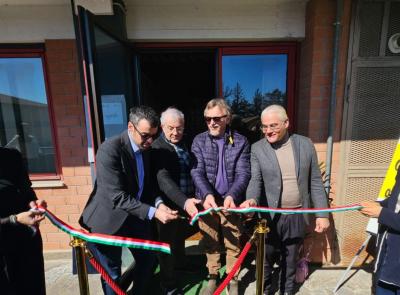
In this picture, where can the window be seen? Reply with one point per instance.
(25, 122)
(254, 78)
(250, 76)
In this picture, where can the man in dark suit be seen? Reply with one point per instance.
(123, 202)
(284, 174)
(173, 163)
(20, 246)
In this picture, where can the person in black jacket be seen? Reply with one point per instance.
(20, 246)
(29, 218)
(172, 162)
(122, 202)
(387, 267)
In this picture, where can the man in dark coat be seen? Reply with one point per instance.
(21, 246)
(220, 174)
(387, 267)
(123, 202)
(172, 162)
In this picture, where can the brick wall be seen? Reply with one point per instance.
(68, 201)
(314, 99)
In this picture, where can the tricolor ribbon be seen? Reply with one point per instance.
(276, 210)
(106, 239)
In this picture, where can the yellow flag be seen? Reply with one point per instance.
(390, 178)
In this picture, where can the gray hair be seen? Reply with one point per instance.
(276, 109)
(221, 103)
(144, 112)
(173, 113)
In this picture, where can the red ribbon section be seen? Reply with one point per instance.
(106, 276)
(235, 268)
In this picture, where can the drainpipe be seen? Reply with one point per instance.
(332, 104)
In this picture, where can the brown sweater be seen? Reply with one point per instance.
(290, 190)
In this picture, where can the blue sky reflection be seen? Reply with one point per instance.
(23, 78)
(264, 72)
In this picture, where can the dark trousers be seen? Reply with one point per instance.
(23, 261)
(4, 282)
(282, 246)
(173, 234)
(386, 289)
(110, 258)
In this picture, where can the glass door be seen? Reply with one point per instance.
(108, 68)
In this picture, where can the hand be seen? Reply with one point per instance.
(30, 218)
(229, 203)
(165, 215)
(209, 202)
(190, 206)
(249, 203)
(371, 209)
(35, 204)
(167, 209)
(321, 224)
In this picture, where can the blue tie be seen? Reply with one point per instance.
(140, 170)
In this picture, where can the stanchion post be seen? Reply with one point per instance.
(261, 230)
(80, 248)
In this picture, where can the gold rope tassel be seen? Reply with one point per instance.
(80, 252)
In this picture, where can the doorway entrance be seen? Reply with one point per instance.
(185, 79)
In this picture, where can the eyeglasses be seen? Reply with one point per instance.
(215, 119)
(272, 127)
(178, 129)
(145, 136)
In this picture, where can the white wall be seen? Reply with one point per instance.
(165, 20)
(221, 20)
(35, 23)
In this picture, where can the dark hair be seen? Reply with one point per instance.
(144, 112)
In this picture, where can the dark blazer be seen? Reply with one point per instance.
(167, 170)
(388, 260)
(266, 180)
(15, 187)
(113, 198)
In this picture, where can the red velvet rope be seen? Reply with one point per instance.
(106, 277)
(235, 268)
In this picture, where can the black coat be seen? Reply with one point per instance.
(15, 186)
(21, 248)
(167, 170)
(388, 259)
(113, 199)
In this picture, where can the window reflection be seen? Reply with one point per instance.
(251, 83)
(24, 115)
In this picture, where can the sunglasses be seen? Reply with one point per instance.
(215, 119)
(145, 136)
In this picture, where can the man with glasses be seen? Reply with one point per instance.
(220, 174)
(123, 201)
(284, 174)
(172, 162)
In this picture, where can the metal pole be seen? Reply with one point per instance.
(332, 101)
(261, 230)
(342, 279)
(80, 247)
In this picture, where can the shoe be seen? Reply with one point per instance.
(172, 291)
(233, 287)
(211, 285)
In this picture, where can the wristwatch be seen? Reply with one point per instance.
(13, 219)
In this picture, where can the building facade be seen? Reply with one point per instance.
(335, 65)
